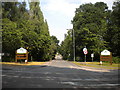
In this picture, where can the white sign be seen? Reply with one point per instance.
(85, 50)
(92, 55)
(21, 50)
(105, 52)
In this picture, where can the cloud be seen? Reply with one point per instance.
(60, 6)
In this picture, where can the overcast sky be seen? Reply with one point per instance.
(59, 14)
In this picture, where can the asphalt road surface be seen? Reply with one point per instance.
(58, 74)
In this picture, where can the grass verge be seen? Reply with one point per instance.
(29, 63)
(97, 65)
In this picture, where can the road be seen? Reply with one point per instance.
(58, 74)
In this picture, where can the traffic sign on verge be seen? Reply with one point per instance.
(85, 51)
(92, 55)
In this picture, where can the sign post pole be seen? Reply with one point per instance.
(92, 59)
(85, 57)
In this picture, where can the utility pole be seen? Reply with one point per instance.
(74, 44)
(73, 35)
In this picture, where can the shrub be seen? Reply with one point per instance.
(116, 59)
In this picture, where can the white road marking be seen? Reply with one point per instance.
(70, 83)
(89, 85)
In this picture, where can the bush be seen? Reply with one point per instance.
(8, 59)
(77, 58)
(116, 59)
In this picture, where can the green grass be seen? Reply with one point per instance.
(29, 63)
(97, 65)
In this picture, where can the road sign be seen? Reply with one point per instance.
(92, 55)
(85, 51)
(1, 54)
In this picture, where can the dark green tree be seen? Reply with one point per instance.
(90, 24)
(41, 28)
(54, 47)
(25, 28)
(113, 32)
(66, 48)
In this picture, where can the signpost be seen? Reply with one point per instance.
(22, 54)
(85, 52)
(106, 56)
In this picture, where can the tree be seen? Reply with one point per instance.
(41, 28)
(54, 46)
(113, 32)
(90, 24)
(25, 28)
(66, 48)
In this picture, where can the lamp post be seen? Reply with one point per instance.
(73, 35)
(74, 44)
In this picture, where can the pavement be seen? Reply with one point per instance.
(58, 74)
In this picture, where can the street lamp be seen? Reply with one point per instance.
(73, 42)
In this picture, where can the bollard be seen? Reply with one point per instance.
(26, 61)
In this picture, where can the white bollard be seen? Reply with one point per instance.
(101, 62)
(26, 61)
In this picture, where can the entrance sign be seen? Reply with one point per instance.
(105, 52)
(21, 54)
(21, 51)
(106, 56)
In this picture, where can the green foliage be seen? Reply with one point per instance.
(116, 59)
(66, 47)
(90, 24)
(113, 32)
(95, 27)
(25, 28)
(53, 47)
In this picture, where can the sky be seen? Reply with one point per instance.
(59, 14)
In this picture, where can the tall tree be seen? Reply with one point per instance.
(90, 24)
(113, 32)
(25, 28)
(41, 28)
(54, 46)
(66, 48)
